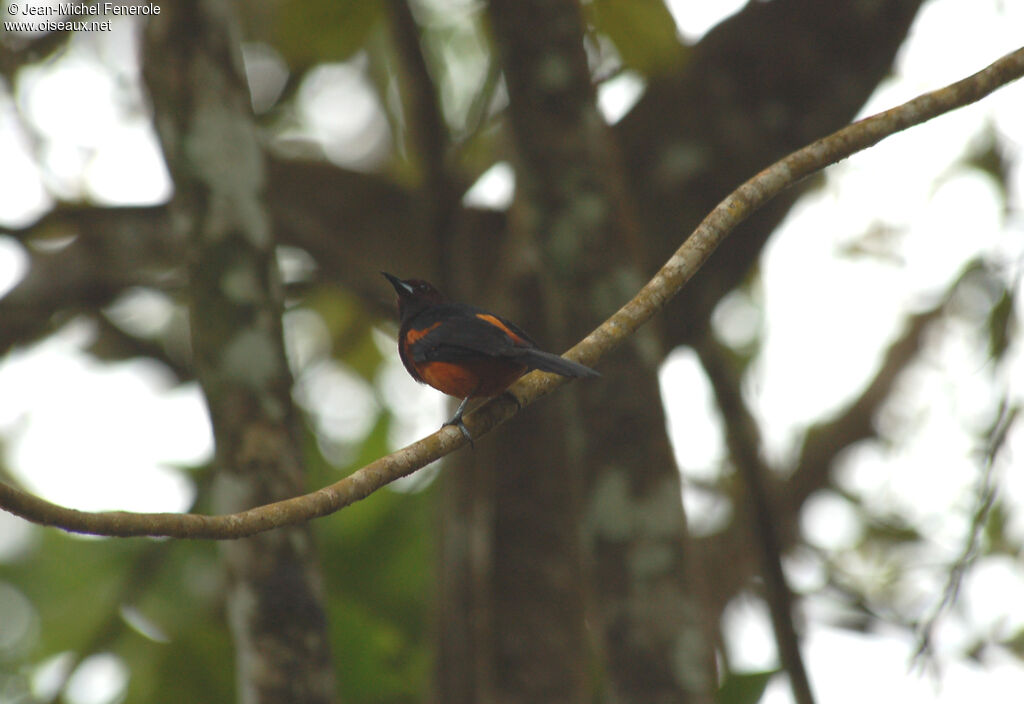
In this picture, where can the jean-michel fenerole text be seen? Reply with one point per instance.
(70, 9)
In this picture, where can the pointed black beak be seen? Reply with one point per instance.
(402, 288)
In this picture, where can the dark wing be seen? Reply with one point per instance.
(468, 336)
(479, 334)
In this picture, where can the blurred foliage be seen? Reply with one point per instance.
(988, 156)
(1001, 322)
(378, 564)
(378, 555)
(743, 688)
(308, 32)
(80, 586)
(350, 326)
(158, 605)
(997, 538)
(642, 31)
(378, 569)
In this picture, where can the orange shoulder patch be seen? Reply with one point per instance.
(496, 322)
(413, 335)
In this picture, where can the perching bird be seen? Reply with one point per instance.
(465, 351)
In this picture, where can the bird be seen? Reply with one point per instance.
(465, 351)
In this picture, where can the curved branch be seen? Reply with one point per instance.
(679, 269)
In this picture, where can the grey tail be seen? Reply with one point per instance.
(547, 362)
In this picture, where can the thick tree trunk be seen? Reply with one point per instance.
(274, 599)
(554, 496)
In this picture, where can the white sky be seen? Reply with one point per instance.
(123, 427)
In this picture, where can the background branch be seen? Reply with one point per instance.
(743, 439)
(986, 497)
(812, 469)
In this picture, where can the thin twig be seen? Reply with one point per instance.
(986, 497)
(679, 269)
(429, 136)
(744, 442)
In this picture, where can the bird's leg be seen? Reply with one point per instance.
(456, 420)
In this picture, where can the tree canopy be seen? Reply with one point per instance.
(803, 431)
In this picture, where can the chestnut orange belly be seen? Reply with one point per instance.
(471, 377)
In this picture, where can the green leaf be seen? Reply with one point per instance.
(315, 31)
(642, 30)
(1015, 644)
(1001, 322)
(744, 687)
